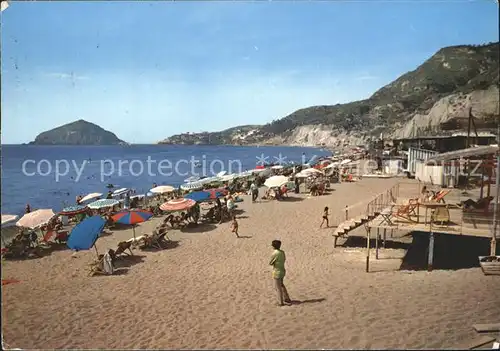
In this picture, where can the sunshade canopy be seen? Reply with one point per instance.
(84, 235)
(177, 205)
(120, 191)
(103, 203)
(36, 218)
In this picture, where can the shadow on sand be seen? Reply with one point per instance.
(199, 228)
(166, 245)
(244, 237)
(128, 261)
(300, 302)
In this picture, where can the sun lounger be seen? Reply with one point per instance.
(440, 195)
(440, 215)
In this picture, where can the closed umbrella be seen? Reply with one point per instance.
(36, 218)
(276, 181)
(177, 205)
(162, 189)
(85, 234)
(90, 196)
(132, 217)
(96, 205)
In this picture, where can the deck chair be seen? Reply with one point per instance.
(386, 215)
(103, 266)
(440, 195)
(407, 211)
(123, 246)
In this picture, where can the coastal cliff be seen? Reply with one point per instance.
(77, 133)
(446, 86)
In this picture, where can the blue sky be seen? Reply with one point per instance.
(147, 70)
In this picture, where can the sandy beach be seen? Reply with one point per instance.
(212, 290)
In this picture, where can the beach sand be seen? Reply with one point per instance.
(215, 291)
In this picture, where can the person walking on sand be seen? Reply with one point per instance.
(255, 191)
(325, 218)
(234, 227)
(278, 262)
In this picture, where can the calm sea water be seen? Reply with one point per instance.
(52, 176)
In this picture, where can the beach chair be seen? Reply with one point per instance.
(407, 211)
(386, 215)
(440, 195)
(103, 265)
(123, 246)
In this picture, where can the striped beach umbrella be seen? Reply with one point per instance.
(192, 186)
(177, 205)
(96, 205)
(132, 217)
(73, 210)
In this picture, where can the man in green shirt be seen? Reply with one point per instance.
(278, 262)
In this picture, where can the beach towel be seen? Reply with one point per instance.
(9, 281)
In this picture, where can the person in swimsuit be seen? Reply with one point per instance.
(325, 217)
(234, 227)
(278, 262)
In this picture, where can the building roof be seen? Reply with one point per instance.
(464, 153)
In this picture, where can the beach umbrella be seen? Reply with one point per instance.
(221, 174)
(120, 191)
(4, 5)
(177, 205)
(85, 234)
(277, 167)
(73, 210)
(8, 220)
(209, 180)
(131, 217)
(276, 181)
(191, 179)
(346, 161)
(162, 189)
(90, 196)
(333, 164)
(311, 171)
(228, 177)
(36, 218)
(96, 205)
(192, 186)
(206, 195)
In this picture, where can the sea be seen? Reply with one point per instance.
(52, 176)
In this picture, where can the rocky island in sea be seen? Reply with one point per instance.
(79, 132)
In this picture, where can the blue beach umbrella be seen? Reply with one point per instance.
(200, 196)
(85, 234)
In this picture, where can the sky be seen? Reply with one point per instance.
(148, 70)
